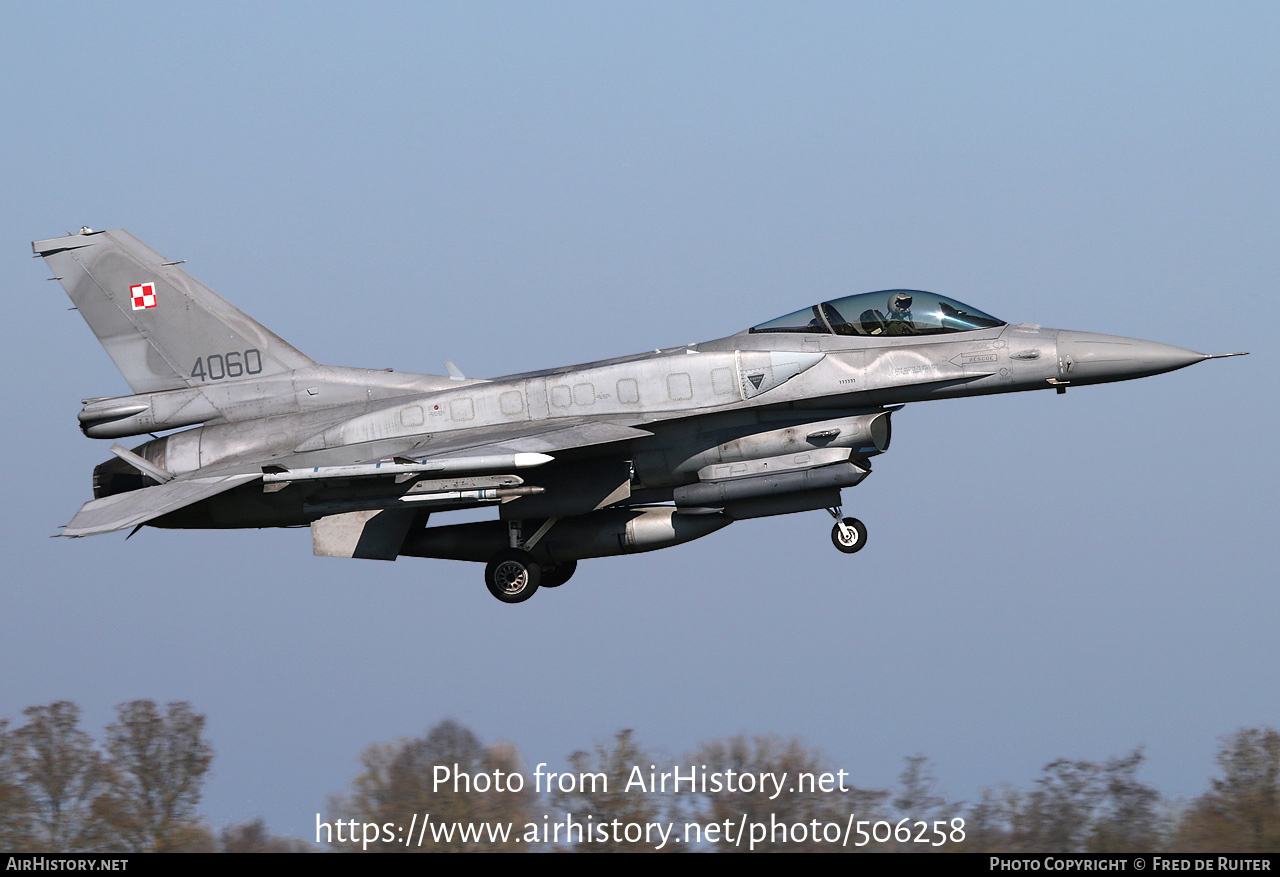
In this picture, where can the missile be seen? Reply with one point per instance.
(452, 498)
(400, 466)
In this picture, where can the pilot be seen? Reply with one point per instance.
(900, 321)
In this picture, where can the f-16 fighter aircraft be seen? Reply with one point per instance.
(605, 458)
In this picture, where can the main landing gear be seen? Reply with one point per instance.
(556, 575)
(849, 534)
(512, 575)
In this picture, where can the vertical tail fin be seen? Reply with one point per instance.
(163, 328)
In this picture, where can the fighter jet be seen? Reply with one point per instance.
(605, 458)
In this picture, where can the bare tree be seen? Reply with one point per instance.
(1076, 806)
(917, 802)
(602, 797)
(157, 767)
(398, 786)
(1129, 820)
(60, 774)
(1241, 811)
(987, 823)
(796, 804)
(15, 820)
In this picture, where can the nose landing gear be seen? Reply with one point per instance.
(849, 534)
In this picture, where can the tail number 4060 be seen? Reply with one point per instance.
(217, 366)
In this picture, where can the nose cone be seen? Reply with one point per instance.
(1088, 358)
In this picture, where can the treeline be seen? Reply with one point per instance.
(139, 790)
(1073, 806)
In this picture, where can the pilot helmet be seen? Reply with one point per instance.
(900, 302)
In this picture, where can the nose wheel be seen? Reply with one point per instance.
(848, 535)
(512, 575)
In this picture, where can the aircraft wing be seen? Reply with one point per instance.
(478, 451)
(139, 506)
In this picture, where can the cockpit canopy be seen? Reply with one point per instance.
(888, 312)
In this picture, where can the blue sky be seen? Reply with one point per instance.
(515, 186)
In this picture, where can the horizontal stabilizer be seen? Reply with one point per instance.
(139, 506)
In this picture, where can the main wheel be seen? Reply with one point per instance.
(849, 535)
(512, 575)
(555, 576)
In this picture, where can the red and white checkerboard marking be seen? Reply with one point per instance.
(144, 295)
